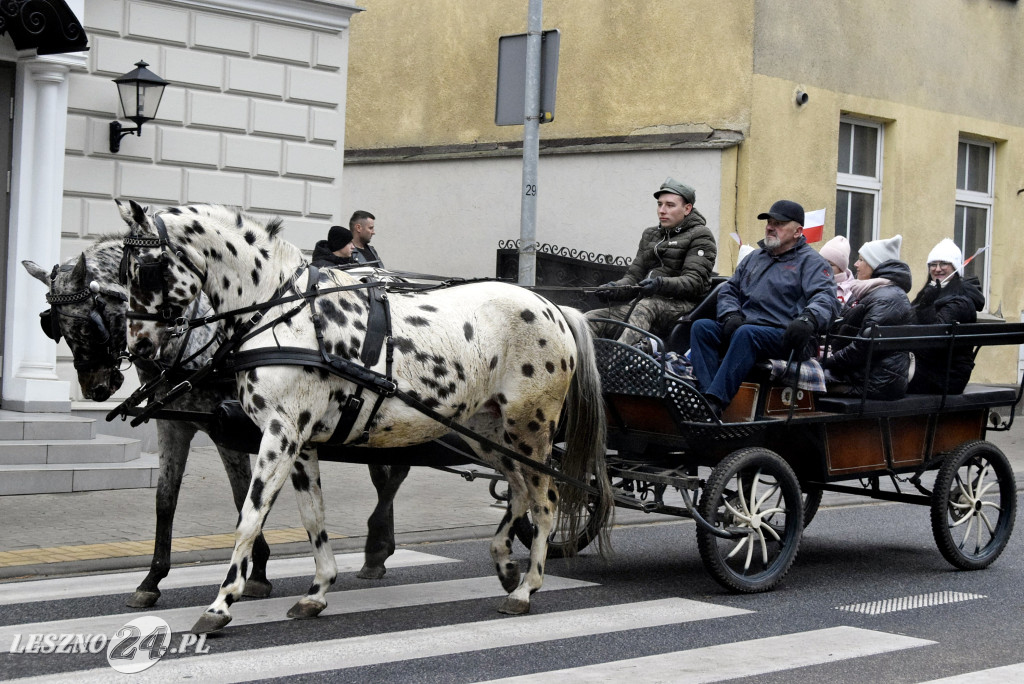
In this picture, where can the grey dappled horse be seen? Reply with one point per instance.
(491, 357)
(89, 312)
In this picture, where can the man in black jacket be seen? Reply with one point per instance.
(361, 225)
(670, 274)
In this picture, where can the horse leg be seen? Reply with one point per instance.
(239, 472)
(306, 480)
(380, 527)
(543, 499)
(174, 439)
(501, 543)
(277, 454)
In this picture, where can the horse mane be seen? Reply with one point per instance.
(231, 215)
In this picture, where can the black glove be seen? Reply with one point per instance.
(798, 337)
(650, 286)
(604, 292)
(929, 293)
(729, 326)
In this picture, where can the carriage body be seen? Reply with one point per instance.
(922, 449)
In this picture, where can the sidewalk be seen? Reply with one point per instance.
(59, 534)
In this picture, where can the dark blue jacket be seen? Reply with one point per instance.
(772, 290)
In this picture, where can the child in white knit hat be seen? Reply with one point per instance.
(837, 253)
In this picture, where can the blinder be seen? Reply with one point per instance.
(152, 272)
(99, 334)
(50, 324)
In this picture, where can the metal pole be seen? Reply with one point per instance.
(531, 148)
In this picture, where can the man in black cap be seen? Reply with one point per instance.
(336, 250)
(672, 269)
(775, 303)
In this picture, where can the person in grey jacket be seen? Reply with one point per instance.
(775, 303)
(670, 274)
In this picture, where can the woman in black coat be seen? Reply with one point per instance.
(945, 298)
(879, 297)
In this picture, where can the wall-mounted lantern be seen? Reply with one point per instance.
(140, 91)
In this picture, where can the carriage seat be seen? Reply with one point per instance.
(678, 339)
(975, 396)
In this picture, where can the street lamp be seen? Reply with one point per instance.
(140, 91)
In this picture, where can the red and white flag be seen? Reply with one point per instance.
(814, 225)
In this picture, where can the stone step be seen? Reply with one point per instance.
(141, 472)
(49, 426)
(100, 449)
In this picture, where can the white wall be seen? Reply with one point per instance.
(254, 117)
(447, 217)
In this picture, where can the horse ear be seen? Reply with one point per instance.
(79, 272)
(126, 214)
(36, 272)
(139, 214)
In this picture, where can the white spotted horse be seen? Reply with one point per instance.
(492, 361)
(88, 304)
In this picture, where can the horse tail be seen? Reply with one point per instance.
(585, 441)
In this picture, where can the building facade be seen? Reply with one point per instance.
(254, 117)
(897, 118)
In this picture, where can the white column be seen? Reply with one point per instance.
(30, 380)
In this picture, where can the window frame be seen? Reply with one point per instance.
(872, 185)
(977, 200)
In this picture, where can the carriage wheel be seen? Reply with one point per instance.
(974, 504)
(812, 499)
(755, 492)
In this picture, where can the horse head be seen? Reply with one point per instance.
(86, 309)
(162, 278)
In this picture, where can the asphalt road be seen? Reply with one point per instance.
(433, 617)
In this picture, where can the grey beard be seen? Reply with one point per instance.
(772, 243)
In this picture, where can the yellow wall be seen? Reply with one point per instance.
(424, 73)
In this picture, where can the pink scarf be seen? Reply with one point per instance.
(860, 288)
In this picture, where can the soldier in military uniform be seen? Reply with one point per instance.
(672, 269)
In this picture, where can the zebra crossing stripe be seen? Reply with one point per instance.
(125, 582)
(275, 609)
(995, 675)
(718, 663)
(894, 605)
(373, 649)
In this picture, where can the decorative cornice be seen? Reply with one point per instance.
(624, 143)
(324, 15)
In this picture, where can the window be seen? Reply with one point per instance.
(972, 229)
(858, 181)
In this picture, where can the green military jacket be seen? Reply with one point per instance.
(684, 258)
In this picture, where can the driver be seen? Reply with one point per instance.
(672, 268)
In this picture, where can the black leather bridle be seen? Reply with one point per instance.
(153, 272)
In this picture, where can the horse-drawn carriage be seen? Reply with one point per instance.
(496, 366)
(753, 480)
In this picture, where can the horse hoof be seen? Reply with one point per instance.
(210, 622)
(257, 588)
(306, 609)
(372, 572)
(142, 599)
(514, 606)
